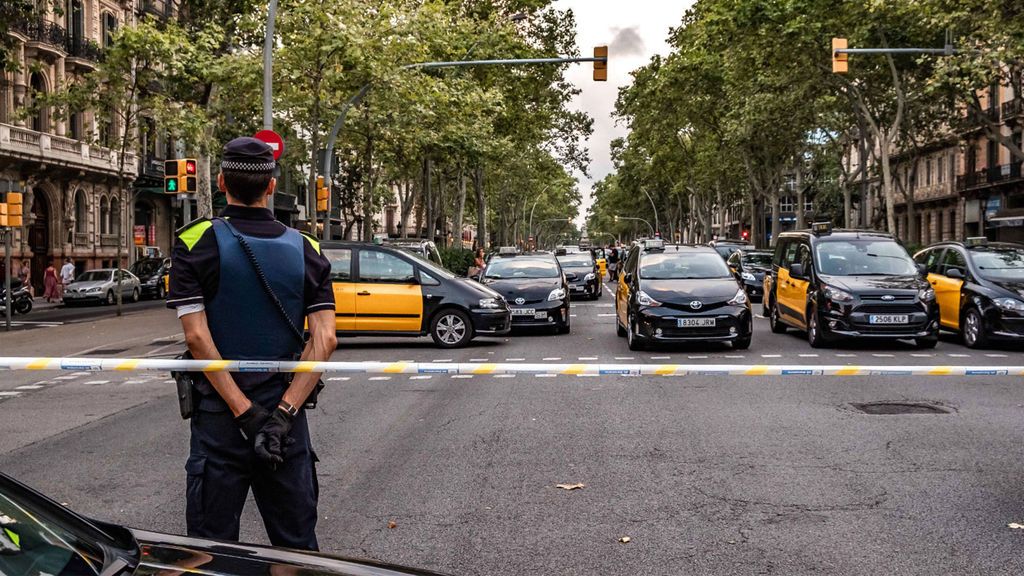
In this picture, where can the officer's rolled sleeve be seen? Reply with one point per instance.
(194, 272)
(318, 291)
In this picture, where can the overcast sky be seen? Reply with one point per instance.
(634, 30)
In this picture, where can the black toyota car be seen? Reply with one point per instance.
(534, 287)
(750, 267)
(678, 294)
(39, 536)
(582, 273)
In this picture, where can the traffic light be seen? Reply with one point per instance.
(601, 66)
(322, 194)
(840, 62)
(745, 234)
(14, 209)
(3, 214)
(181, 176)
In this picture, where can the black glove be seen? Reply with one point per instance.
(250, 421)
(272, 439)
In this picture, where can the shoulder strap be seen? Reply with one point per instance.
(263, 279)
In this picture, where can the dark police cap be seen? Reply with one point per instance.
(247, 154)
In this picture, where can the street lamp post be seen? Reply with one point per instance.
(657, 225)
(539, 196)
(617, 218)
(268, 75)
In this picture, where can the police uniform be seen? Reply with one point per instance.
(212, 272)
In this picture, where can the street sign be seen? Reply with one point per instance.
(273, 139)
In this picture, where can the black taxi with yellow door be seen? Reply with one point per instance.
(849, 284)
(979, 286)
(385, 291)
(680, 293)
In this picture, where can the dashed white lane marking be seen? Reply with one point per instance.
(735, 356)
(29, 387)
(378, 378)
(552, 359)
(922, 355)
(587, 358)
(338, 378)
(134, 381)
(443, 360)
(421, 377)
(696, 357)
(97, 382)
(759, 316)
(514, 359)
(808, 355)
(68, 377)
(625, 358)
(572, 315)
(846, 355)
(996, 355)
(9, 393)
(661, 357)
(168, 382)
(462, 376)
(79, 373)
(960, 355)
(884, 355)
(504, 375)
(545, 375)
(605, 315)
(771, 355)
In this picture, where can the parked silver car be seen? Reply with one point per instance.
(101, 286)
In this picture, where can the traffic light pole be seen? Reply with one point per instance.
(8, 248)
(358, 97)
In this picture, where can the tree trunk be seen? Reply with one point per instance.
(776, 209)
(428, 198)
(405, 186)
(204, 190)
(887, 187)
(314, 144)
(460, 207)
(756, 237)
(722, 233)
(800, 225)
(442, 220)
(481, 207)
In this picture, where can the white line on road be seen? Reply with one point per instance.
(735, 356)
(996, 355)
(337, 378)
(759, 316)
(421, 377)
(478, 359)
(606, 315)
(378, 378)
(69, 377)
(922, 355)
(625, 358)
(97, 382)
(545, 375)
(552, 359)
(444, 360)
(29, 387)
(883, 355)
(661, 357)
(771, 355)
(514, 359)
(10, 394)
(960, 355)
(504, 375)
(808, 355)
(462, 376)
(587, 358)
(696, 357)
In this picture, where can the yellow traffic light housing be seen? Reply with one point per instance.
(3, 214)
(322, 195)
(181, 176)
(14, 209)
(841, 61)
(601, 66)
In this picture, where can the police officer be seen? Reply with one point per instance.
(249, 429)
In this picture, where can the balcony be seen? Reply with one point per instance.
(988, 177)
(25, 144)
(976, 119)
(1013, 109)
(42, 34)
(156, 8)
(83, 53)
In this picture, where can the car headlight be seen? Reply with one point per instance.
(589, 277)
(740, 298)
(748, 276)
(556, 294)
(489, 303)
(926, 294)
(837, 295)
(95, 289)
(1011, 304)
(643, 299)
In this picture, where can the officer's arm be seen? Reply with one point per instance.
(200, 343)
(321, 344)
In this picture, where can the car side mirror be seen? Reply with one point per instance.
(797, 271)
(955, 274)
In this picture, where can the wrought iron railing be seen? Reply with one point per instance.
(84, 49)
(987, 176)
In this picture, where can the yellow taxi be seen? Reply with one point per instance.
(979, 286)
(385, 291)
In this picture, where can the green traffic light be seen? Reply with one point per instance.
(172, 184)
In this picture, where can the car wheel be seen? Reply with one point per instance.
(135, 295)
(741, 343)
(110, 298)
(774, 322)
(815, 337)
(927, 343)
(632, 340)
(451, 329)
(974, 330)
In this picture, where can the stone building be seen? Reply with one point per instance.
(67, 165)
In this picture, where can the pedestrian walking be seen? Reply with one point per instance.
(478, 263)
(51, 284)
(243, 287)
(25, 275)
(67, 272)
(612, 262)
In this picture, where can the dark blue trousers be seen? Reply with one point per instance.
(222, 467)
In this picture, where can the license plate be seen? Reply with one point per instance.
(540, 315)
(523, 311)
(888, 319)
(577, 288)
(695, 322)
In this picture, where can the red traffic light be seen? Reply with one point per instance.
(745, 234)
(190, 167)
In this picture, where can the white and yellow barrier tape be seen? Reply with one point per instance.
(165, 365)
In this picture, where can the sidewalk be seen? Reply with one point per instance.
(131, 331)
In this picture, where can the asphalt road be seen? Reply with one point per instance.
(45, 315)
(705, 475)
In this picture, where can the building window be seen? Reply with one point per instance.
(41, 117)
(109, 28)
(941, 169)
(808, 204)
(81, 213)
(104, 216)
(115, 216)
(787, 204)
(928, 172)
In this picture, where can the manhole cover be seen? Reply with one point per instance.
(886, 408)
(106, 351)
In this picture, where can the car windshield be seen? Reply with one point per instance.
(521, 268)
(95, 276)
(682, 266)
(864, 257)
(145, 267)
(758, 260)
(576, 261)
(33, 542)
(1001, 264)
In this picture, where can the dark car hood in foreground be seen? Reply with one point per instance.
(163, 552)
(528, 288)
(875, 284)
(685, 291)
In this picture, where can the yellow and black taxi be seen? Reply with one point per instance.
(534, 286)
(676, 293)
(582, 273)
(751, 266)
(726, 246)
(385, 291)
(979, 287)
(838, 284)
